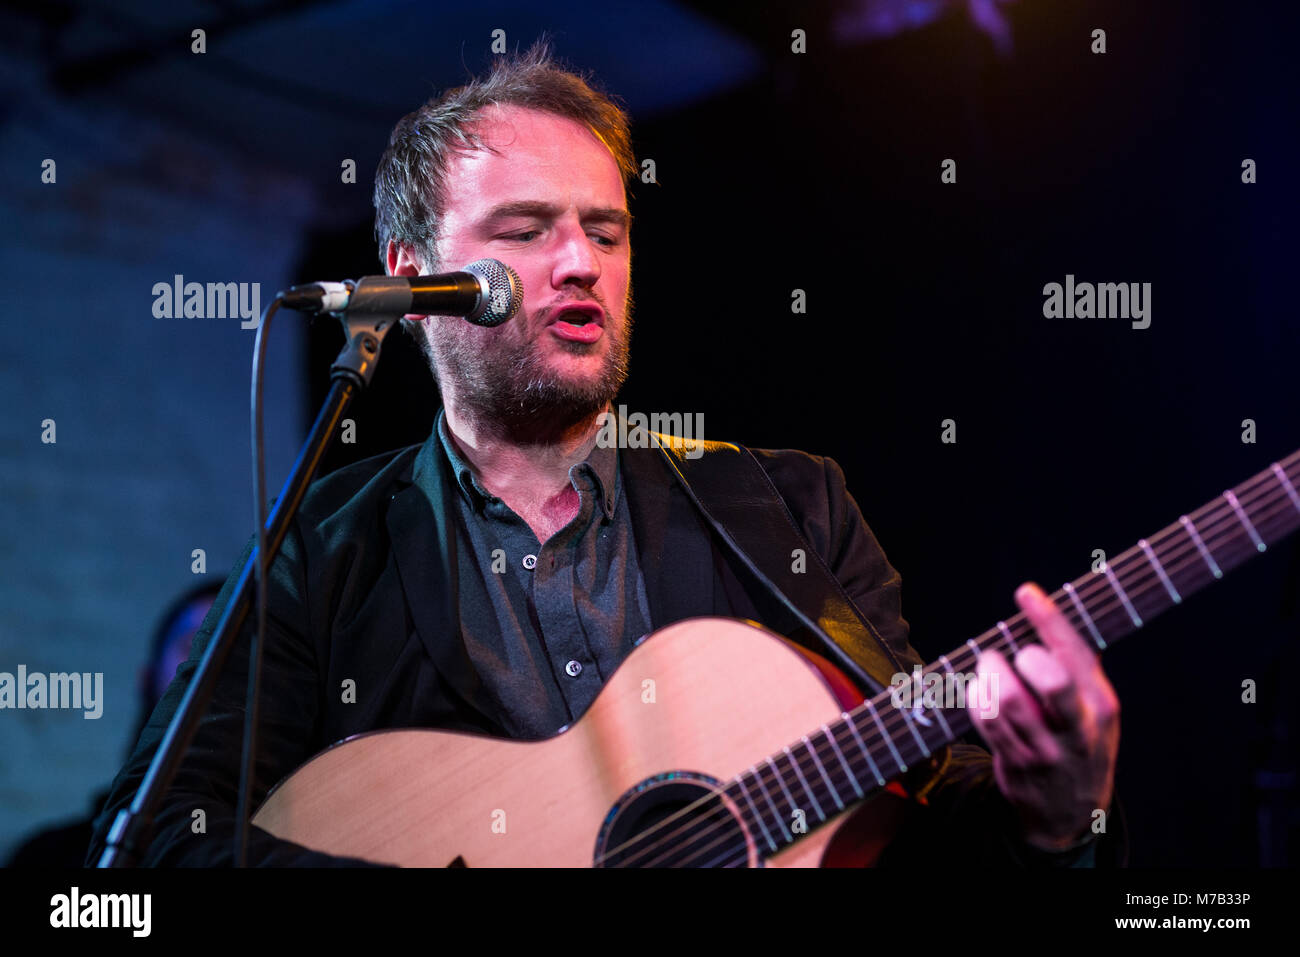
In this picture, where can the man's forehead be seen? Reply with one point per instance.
(532, 154)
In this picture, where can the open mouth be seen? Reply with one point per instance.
(583, 323)
(580, 314)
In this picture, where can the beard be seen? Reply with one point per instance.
(507, 386)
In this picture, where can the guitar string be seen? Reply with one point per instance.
(898, 723)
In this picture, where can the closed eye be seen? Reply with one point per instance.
(527, 236)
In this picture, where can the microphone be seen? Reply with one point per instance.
(486, 293)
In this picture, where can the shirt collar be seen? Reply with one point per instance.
(601, 465)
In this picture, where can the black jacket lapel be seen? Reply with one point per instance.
(422, 527)
(672, 544)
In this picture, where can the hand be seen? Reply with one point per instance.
(1054, 748)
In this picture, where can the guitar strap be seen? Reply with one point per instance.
(738, 500)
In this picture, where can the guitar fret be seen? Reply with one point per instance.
(898, 758)
(1006, 633)
(825, 777)
(757, 817)
(804, 781)
(1241, 514)
(1200, 545)
(776, 815)
(853, 778)
(853, 727)
(1155, 563)
(912, 727)
(780, 779)
(938, 712)
(1123, 596)
(1087, 618)
(919, 716)
(1286, 484)
(922, 717)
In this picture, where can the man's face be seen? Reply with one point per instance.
(550, 204)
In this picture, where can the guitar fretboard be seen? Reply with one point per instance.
(820, 775)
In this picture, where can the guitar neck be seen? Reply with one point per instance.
(883, 737)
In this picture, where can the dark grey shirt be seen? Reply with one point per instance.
(546, 623)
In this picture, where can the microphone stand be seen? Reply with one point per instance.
(350, 373)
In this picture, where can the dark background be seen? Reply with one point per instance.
(821, 171)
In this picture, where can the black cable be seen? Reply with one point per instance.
(242, 812)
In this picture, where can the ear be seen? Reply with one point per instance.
(401, 261)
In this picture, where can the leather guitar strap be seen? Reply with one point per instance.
(740, 503)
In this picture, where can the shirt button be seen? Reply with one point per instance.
(573, 669)
(530, 562)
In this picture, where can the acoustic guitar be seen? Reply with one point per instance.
(717, 743)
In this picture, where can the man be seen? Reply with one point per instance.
(390, 580)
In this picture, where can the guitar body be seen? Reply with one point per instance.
(702, 699)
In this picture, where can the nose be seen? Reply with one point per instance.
(576, 260)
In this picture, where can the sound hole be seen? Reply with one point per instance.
(677, 819)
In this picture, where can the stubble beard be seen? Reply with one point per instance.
(510, 390)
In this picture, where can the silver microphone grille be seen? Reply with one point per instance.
(505, 292)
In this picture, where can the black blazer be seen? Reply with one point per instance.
(364, 590)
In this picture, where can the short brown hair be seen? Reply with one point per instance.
(410, 194)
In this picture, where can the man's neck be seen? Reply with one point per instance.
(528, 473)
